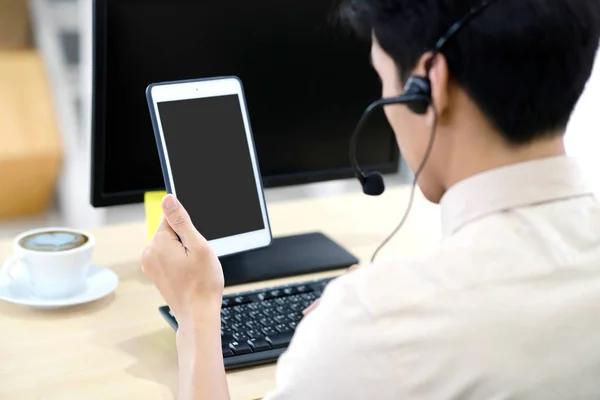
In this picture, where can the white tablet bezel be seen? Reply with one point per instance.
(185, 90)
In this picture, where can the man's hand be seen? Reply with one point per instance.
(181, 264)
(316, 302)
(189, 276)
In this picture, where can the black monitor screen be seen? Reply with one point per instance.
(306, 80)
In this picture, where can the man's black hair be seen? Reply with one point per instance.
(525, 63)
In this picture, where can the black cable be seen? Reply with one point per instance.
(414, 184)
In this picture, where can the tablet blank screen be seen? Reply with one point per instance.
(211, 165)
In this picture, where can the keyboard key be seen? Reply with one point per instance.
(309, 296)
(225, 330)
(253, 325)
(269, 312)
(255, 334)
(293, 325)
(259, 345)
(282, 328)
(303, 289)
(238, 327)
(240, 309)
(227, 302)
(269, 330)
(280, 339)
(294, 299)
(227, 338)
(267, 304)
(240, 318)
(282, 310)
(265, 296)
(282, 301)
(240, 348)
(267, 321)
(294, 317)
(241, 336)
(290, 291)
(227, 352)
(281, 319)
(241, 300)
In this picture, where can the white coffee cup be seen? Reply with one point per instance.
(51, 262)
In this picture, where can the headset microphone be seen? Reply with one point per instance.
(417, 98)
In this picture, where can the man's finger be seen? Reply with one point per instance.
(177, 218)
(164, 225)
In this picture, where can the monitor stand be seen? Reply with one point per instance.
(286, 256)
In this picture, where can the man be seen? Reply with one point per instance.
(508, 307)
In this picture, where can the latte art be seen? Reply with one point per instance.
(53, 241)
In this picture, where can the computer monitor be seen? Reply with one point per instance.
(306, 79)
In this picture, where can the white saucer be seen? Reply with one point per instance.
(100, 282)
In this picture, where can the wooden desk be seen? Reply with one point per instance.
(120, 347)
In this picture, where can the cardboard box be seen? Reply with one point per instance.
(31, 149)
(15, 27)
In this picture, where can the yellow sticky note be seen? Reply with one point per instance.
(152, 205)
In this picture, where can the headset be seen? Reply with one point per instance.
(417, 97)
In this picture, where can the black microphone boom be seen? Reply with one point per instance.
(372, 183)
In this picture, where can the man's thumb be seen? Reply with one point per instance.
(177, 217)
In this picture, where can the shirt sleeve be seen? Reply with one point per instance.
(335, 353)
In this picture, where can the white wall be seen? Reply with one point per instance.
(583, 133)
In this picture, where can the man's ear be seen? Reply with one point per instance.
(438, 78)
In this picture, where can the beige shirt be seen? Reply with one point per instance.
(508, 307)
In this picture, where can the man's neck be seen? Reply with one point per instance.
(480, 160)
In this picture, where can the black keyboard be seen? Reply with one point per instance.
(257, 326)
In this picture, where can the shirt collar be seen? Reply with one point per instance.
(516, 185)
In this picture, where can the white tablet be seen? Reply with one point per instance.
(209, 162)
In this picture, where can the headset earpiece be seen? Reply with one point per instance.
(421, 87)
